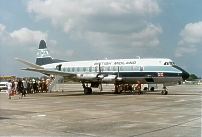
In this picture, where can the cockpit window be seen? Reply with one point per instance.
(169, 63)
(166, 63)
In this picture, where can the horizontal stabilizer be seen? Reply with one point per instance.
(29, 64)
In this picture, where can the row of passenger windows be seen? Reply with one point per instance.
(96, 69)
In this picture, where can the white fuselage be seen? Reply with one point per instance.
(151, 70)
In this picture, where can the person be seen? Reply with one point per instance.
(9, 88)
(20, 88)
(13, 84)
(44, 86)
(40, 85)
(28, 87)
(16, 84)
(35, 86)
(24, 82)
(138, 87)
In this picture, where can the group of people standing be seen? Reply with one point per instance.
(136, 87)
(25, 86)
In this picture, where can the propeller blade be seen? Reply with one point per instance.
(118, 71)
(99, 69)
(100, 87)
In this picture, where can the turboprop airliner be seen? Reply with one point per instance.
(93, 73)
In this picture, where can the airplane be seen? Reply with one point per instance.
(93, 73)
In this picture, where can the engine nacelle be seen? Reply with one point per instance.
(119, 79)
(109, 79)
(91, 76)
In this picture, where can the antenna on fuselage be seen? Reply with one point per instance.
(138, 57)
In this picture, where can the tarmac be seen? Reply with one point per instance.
(72, 113)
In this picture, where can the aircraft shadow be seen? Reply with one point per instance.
(173, 94)
(95, 93)
(80, 93)
(2, 118)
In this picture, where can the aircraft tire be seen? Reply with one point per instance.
(90, 90)
(87, 90)
(152, 88)
(164, 92)
(117, 91)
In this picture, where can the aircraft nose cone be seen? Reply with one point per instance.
(185, 75)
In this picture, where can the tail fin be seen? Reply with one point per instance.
(43, 56)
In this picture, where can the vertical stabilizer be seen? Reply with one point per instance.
(43, 56)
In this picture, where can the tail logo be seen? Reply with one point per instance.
(42, 53)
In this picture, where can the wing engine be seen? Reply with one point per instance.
(109, 79)
(88, 76)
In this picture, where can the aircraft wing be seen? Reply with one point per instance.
(60, 73)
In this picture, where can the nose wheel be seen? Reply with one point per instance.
(164, 91)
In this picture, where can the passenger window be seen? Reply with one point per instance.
(78, 69)
(121, 68)
(96, 68)
(109, 68)
(73, 69)
(114, 68)
(64, 69)
(141, 68)
(68, 69)
(84, 69)
(90, 69)
(102, 69)
(133, 68)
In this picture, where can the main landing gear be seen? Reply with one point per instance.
(164, 91)
(117, 89)
(87, 90)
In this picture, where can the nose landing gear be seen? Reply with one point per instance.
(164, 91)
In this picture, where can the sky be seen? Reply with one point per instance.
(97, 29)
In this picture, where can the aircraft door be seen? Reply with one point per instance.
(58, 67)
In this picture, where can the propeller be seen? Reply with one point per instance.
(118, 77)
(100, 87)
(101, 76)
(118, 71)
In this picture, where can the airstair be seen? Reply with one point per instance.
(53, 82)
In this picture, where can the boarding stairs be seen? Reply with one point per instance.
(53, 82)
